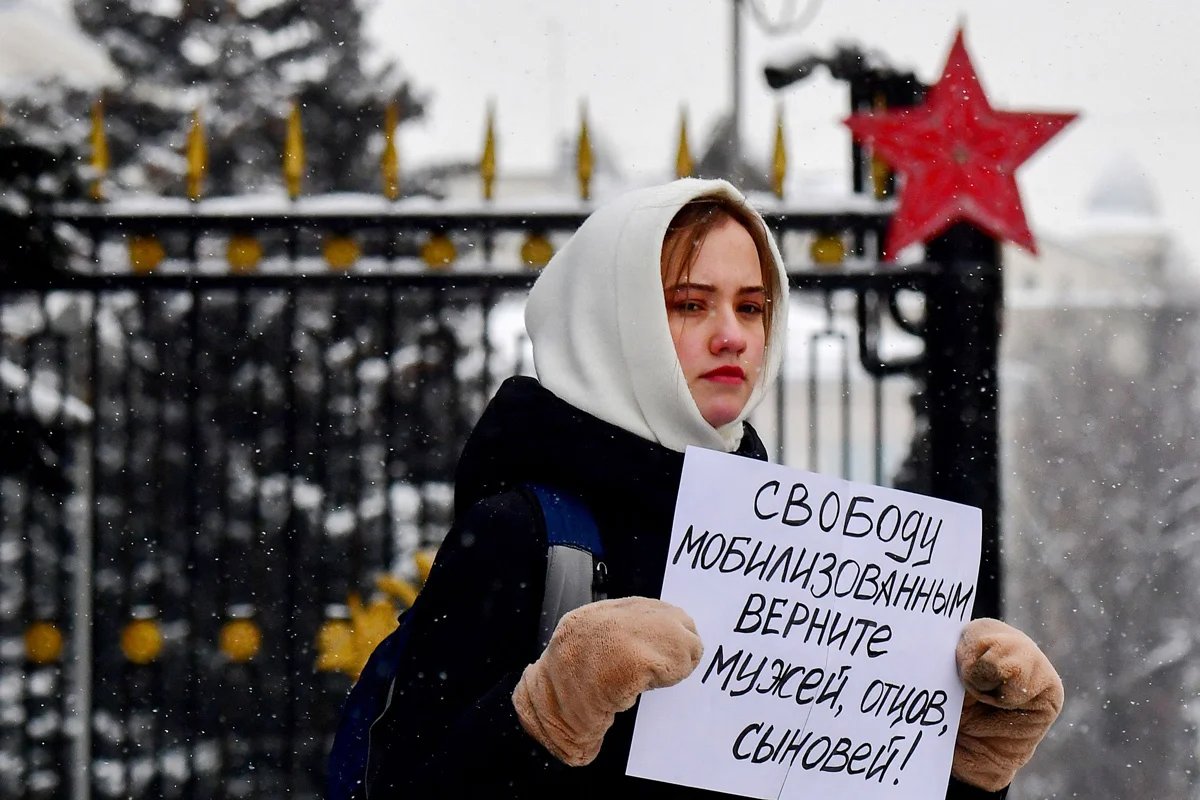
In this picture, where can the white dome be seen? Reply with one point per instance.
(1123, 189)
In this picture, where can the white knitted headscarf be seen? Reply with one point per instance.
(598, 322)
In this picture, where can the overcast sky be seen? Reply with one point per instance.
(1130, 69)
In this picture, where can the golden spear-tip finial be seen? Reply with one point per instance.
(683, 154)
(389, 161)
(779, 159)
(583, 155)
(100, 156)
(293, 152)
(879, 168)
(487, 162)
(197, 158)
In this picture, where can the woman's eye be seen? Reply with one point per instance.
(750, 308)
(688, 305)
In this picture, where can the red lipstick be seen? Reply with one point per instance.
(730, 374)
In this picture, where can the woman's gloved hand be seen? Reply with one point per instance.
(1013, 695)
(600, 658)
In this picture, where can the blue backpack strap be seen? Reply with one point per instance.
(574, 565)
(347, 771)
(568, 521)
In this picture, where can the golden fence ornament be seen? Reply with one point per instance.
(424, 561)
(684, 165)
(779, 156)
(293, 152)
(197, 158)
(145, 254)
(439, 251)
(389, 161)
(101, 160)
(397, 588)
(372, 623)
(487, 161)
(341, 252)
(536, 251)
(240, 640)
(43, 643)
(294, 164)
(880, 171)
(345, 645)
(584, 156)
(243, 252)
(335, 646)
(828, 249)
(142, 641)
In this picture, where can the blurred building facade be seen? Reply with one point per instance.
(1101, 465)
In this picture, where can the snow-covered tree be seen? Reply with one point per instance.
(1103, 532)
(242, 64)
(49, 114)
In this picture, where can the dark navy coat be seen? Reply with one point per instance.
(451, 730)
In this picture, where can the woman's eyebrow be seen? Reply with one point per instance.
(705, 287)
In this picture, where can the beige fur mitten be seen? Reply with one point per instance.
(600, 658)
(1013, 695)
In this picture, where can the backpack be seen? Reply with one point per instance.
(575, 575)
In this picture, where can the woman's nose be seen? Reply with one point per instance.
(727, 335)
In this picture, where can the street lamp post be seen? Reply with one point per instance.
(735, 27)
(870, 81)
(792, 19)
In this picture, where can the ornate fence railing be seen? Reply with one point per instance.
(225, 423)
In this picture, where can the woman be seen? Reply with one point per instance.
(657, 326)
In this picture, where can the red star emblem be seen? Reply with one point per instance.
(958, 157)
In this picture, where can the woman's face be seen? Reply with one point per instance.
(716, 315)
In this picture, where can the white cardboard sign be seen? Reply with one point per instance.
(829, 612)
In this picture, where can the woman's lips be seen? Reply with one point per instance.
(730, 375)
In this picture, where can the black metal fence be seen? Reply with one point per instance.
(216, 440)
